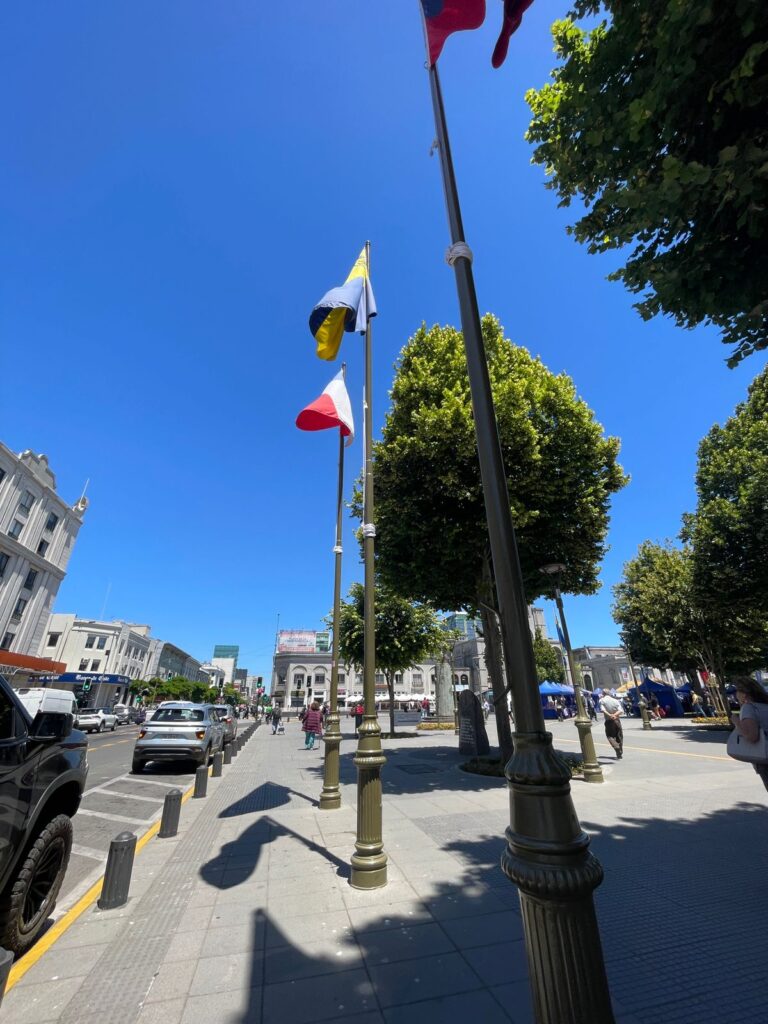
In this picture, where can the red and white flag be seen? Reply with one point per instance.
(331, 409)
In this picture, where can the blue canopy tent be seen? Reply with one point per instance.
(552, 690)
(663, 692)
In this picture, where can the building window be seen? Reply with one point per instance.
(298, 681)
(101, 643)
(417, 682)
(16, 529)
(21, 604)
(90, 640)
(27, 501)
(51, 521)
(42, 547)
(83, 665)
(464, 680)
(4, 560)
(29, 582)
(342, 677)
(95, 665)
(53, 639)
(3, 475)
(7, 641)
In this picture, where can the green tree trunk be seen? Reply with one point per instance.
(494, 664)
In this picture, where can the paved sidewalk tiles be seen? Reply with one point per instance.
(247, 916)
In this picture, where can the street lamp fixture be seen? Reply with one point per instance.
(592, 770)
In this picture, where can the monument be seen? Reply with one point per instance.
(473, 739)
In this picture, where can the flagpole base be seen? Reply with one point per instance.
(330, 796)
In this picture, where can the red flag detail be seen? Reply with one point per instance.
(444, 17)
(513, 15)
(320, 415)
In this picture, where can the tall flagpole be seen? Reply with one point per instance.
(547, 854)
(369, 862)
(330, 797)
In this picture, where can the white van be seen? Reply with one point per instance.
(43, 698)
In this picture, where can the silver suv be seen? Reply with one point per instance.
(179, 731)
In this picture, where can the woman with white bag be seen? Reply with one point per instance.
(749, 740)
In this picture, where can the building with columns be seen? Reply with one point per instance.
(37, 535)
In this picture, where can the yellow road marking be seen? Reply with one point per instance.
(113, 743)
(54, 933)
(654, 750)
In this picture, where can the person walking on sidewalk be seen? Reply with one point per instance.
(276, 715)
(614, 733)
(752, 717)
(312, 725)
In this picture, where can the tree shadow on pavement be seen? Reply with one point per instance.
(700, 734)
(455, 951)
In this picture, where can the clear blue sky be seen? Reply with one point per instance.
(180, 183)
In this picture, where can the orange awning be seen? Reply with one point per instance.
(43, 666)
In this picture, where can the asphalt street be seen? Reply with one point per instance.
(114, 801)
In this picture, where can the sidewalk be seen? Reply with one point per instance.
(247, 916)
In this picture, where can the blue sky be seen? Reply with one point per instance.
(180, 184)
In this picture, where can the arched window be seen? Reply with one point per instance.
(464, 680)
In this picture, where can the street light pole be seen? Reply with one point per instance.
(592, 770)
(642, 703)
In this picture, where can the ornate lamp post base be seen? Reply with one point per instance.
(369, 861)
(330, 796)
(592, 769)
(547, 857)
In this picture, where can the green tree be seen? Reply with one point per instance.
(432, 537)
(655, 120)
(406, 633)
(549, 666)
(729, 531)
(663, 623)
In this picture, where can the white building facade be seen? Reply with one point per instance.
(166, 660)
(37, 535)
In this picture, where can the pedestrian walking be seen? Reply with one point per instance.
(359, 712)
(589, 704)
(614, 733)
(560, 709)
(276, 716)
(486, 708)
(752, 717)
(312, 725)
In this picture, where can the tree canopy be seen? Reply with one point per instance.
(406, 633)
(655, 119)
(430, 518)
(729, 530)
(549, 667)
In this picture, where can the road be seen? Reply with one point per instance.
(114, 801)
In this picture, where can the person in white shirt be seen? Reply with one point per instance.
(614, 733)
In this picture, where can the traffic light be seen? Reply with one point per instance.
(259, 680)
(86, 687)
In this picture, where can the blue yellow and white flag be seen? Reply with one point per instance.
(348, 308)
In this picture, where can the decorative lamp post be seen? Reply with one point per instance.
(642, 703)
(592, 770)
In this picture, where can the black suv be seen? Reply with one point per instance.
(43, 767)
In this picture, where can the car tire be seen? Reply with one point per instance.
(30, 897)
(137, 767)
(101, 727)
(113, 727)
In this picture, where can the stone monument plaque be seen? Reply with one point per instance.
(473, 739)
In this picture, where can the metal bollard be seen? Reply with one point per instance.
(169, 823)
(117, 877)
(201, 782)
(218, 761)
(228, 754)
(6, 962)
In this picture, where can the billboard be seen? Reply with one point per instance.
(297, 641)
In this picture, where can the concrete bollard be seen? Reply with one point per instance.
(201, 782)
(228, 754)
(169, 823)
(117, 877)
(6, 962)
(218, 762)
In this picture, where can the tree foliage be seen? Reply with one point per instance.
(549, 667)
(663, 623)
(406, 633)
(655, 119)
(561, 471)
(729, 530)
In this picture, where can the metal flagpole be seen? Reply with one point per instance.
(547, 853)
(330, 797)
(369, 861)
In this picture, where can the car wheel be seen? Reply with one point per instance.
(101, 727)
(137, 767)
(113, 727)
(29, 901)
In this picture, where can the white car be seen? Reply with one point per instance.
(96, 719)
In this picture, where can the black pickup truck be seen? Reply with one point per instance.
(43, 767)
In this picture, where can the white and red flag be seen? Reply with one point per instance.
(331, 409)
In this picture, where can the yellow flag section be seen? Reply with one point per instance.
(348, 308)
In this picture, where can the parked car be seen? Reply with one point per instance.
(45, 698)
(228, 719)
(137, 715)
(43, 767)
(96, 719)
(123, 713)
(179, 730)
